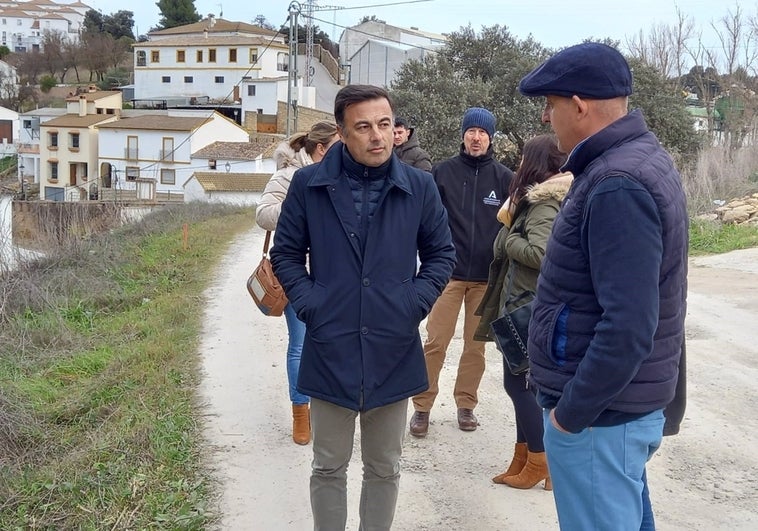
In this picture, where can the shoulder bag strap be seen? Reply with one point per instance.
(266, 242)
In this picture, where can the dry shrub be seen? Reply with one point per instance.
(15, 425)
(720, 174)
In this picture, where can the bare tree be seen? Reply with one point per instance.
(53, 53)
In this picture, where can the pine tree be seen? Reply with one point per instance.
(177, 13)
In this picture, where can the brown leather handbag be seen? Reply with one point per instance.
(265, 288)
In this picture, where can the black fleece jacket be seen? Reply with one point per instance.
(472, 190)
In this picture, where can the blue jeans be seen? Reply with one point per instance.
(296, 331)
(598, 474)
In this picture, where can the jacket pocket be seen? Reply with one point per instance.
(413, 305)
(312, 303)
(557, 337)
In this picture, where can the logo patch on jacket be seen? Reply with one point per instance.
(492, 199)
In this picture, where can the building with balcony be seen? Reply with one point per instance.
(207, 59)
(69, 147)
(149, 156)
(23, 23)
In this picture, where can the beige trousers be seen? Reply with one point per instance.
(440, 328)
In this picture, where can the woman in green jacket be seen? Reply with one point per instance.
(536, 193)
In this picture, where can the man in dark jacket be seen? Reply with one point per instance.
(345, 250)
(605, 339)
(473, 185)
(407, 147)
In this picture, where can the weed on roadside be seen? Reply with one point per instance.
(98, 377)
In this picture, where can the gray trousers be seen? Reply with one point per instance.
(382, 432)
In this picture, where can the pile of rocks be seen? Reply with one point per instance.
(742, 211)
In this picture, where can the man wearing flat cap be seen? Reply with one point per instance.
(605, 339)
(473, 185)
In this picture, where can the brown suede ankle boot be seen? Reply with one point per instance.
(533, 472)
(301, 423)
(517, 463)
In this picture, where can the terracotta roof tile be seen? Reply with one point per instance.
(159, 123)
(234, 150)
(232, 182)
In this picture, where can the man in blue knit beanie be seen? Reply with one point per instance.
(473, 186)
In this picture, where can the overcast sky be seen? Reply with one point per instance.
(553, 23)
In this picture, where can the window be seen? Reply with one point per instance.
(18, 22)
(5, 21)
(251, 90)
(253, 55)
(212, 55)
(282, 61)
(53, 143)
(219, 79)
(132, 173)
(53, 171)
(199, 56)
(167, 149)
(211, 164)
(180, 56)
(132, 144)
(168, 176)
(188, 79)
(166, 79)
(232, 55)
(27, 124)
(155, 56)
(141, 58)
(74, 140)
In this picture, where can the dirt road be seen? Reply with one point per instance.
(702, 479)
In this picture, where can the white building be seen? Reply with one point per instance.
(9, 132)
(206, 59)
(150, 156)
(242, 189)
(69, 145)
(375, 50)
(28, 141)
(237, 157)
(23, 22)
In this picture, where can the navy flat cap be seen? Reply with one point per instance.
(590, 70)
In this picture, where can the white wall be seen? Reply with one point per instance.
(113, 143)
(148, 79)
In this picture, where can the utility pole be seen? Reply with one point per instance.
(310, 5)
(294, 10)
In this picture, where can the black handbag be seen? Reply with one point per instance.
(511, 331)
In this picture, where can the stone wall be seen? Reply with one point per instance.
(742, 211)
(306, 117)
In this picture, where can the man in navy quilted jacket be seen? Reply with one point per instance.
(605, 339)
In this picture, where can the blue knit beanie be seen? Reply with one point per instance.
(478, 117)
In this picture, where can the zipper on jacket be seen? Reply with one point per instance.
(472, 236)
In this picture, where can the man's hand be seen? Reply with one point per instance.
(555, 422)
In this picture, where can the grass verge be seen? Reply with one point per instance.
(711, 237)
(98, 376)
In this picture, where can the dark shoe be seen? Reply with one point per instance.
(420, 424)
(466, 419)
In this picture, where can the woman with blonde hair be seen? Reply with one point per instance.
(301, 150)
(535, 197)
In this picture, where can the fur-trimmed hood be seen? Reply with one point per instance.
(285, 156)
(556, 187)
